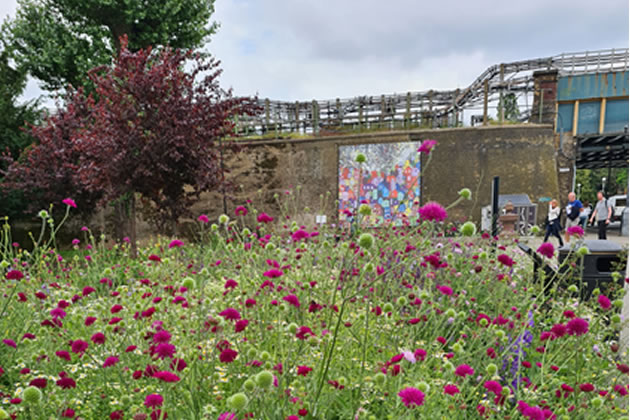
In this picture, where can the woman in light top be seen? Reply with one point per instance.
(553, 222)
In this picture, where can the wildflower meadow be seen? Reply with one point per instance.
(262, 318)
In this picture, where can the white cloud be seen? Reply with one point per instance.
(305, 49)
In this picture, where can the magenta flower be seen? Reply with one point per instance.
(162, 336)
(546, 249)
(69, 202)
(228, 355)
(427, 146)
(155, 258)
(203, 218)
(445, 290)
(79, 346)
(604, 302)
(10, 343)
(227, 416)
(264, 218)
(411, 397)
(175, 243)
(66, 383)
(505, 260)
(230, 314)
(98, 338)
(164, 350)
(292, 300)
(14, 275)
(63, 355)
(273, 273)
(153, 400)
(575, 231)
(451, 389)
(166, 376)
(240, 211)
(577, 326)
(110, 361)
(299, 235)
(558, 330)
(433, 211)
(303, 370)
(494, 387)
(464, 370)
(240, 325)
(89, 321)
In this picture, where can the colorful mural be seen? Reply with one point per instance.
(390, 185)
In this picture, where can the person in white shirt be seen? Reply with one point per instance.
(553, 222)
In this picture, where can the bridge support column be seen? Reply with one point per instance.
(545, 97)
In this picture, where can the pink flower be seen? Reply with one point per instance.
(230, 314)
(264, 218)
(575, 231)
(451, 389)
(240, 325)
(299, 234)
(14, 275)
(273, 273)
(110, 361)
(420, 354)
(411, 397)
(79, 346)
(162, 336)
(164, 350)
(98, 338)
(240, 211)
(155, 258)
(587, 387)
(10, 343)
(505, 260)
(303, 370)
(463, 370)
(166, 376)
(427, 146)
(63, 355)
(292, 300)
(493, 386)
(175, 243)
(69, 202)
(445, 290)
(228, 355)
(433, 211)
(227, 416)
(203, 218)
(66, 383)
(604, 302)
(558, 330)
(577, 327)
(546, 249)
(153, 400)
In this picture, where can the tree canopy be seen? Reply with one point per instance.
(58, 41)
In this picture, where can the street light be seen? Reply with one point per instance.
(579, 190)
(604, 185)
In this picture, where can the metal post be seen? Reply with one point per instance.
(541, 101)
(495, 206)
(485, 102)
(501, 104)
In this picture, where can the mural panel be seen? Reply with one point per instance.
(390, 181)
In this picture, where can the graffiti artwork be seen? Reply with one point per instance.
(390, 181)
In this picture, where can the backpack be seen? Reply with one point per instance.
(575, 213)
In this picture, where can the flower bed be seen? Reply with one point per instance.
(286, 322)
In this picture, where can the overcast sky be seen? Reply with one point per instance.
(320, 49)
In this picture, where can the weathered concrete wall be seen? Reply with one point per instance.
(523, 156)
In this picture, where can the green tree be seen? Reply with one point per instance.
(58, 41)
(14, 117)
(510, 107)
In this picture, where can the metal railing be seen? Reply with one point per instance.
(422, 109)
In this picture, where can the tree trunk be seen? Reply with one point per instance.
(126, 222)
(132, 226)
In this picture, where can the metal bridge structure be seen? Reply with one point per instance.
(584, 94)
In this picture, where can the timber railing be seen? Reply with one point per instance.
(430, 108)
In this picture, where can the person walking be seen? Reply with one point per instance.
(574, 209)
(553, 222)
(602, 214)
(585, 214)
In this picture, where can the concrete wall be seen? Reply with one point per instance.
(523, 156)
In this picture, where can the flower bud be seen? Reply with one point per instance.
(238, 401)
(366, 240)
(491, 369)
(582, 251)
(264, 379)
(249, 385)
(468, 229)
(31, 395)
(465, 193)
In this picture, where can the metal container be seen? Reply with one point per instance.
(602, 260)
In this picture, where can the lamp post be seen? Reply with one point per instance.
(579, 190)
(604, 185)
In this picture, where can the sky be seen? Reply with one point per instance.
(324, 49)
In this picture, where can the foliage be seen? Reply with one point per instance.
(590, 181)
(279, 321)
(47, 171)
(58, 41)
(509, 103)
(13, 117)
